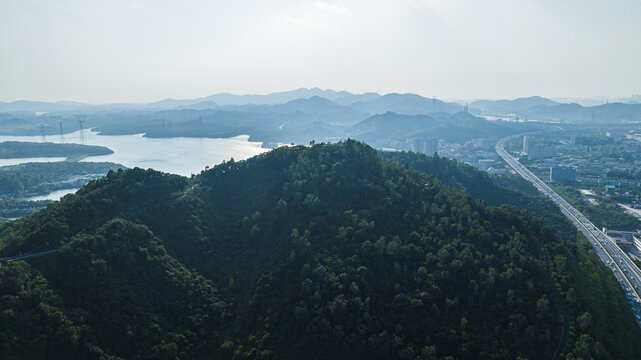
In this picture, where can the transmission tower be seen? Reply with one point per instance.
(62, 134)
(42, 133)
(82, 131)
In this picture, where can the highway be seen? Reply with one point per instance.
(31, 254)
(625, 271)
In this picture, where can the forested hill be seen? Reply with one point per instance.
(586, 286)
(315, 252)
(20, 149)
(495, 190)
(476, 183)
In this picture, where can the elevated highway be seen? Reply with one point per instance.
(625, 271)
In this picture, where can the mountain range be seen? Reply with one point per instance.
(511, 106)
(538, 108)
(367, 103)
(348, 105)
(383, 121)
(460, 127)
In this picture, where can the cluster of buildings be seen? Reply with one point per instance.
(587, 159)
(562, 173)
(478, 153)
(535, 150)
(424, 145)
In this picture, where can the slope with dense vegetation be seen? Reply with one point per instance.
(42, 177)
(23, 149)
(321, 252)
(21, 181)
(598, 311)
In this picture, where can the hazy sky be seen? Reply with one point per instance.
(139, 51)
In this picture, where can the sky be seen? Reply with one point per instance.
(143, 51)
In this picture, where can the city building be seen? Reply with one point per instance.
(425, 145)
(536, 151)
(560, 173)
(627, 240)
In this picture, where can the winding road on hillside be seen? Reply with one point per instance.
(625, 271)
(31, 254)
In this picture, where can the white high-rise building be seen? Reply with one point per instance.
(526, 143)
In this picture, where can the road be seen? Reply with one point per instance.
(625, 271)
(31, 254)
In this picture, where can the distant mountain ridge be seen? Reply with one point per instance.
(382, 129)
(367, 102)
(212, 101)
(406, 104)
(511, 106)
(344, 97)
(606, 113)
(541, 108)
(228, 99)
(342, 107)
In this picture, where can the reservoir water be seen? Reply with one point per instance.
(54, 195)
(7, 162)
(180, 155)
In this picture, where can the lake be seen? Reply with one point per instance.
(180, 155)
(54, 195)
(7, 162)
